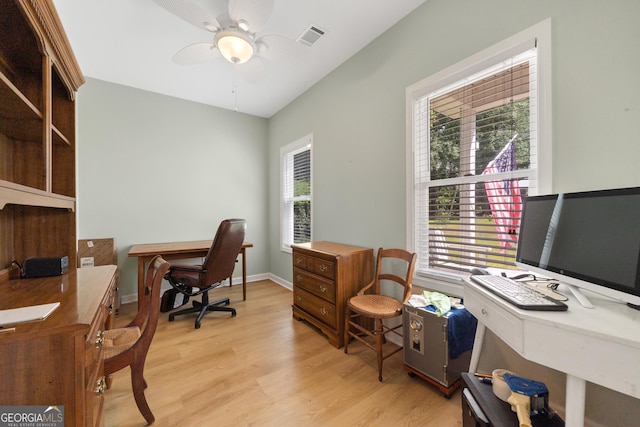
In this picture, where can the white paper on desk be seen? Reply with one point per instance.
(27, 314)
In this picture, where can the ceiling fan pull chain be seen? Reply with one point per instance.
(234, 90)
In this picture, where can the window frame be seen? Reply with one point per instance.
(538, 35)
(286, 202)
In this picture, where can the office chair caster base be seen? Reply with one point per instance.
(203, 307)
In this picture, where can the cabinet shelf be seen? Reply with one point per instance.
(20, 59)
(58, 137)
(62, 108)
(20, 119)
(16, 194)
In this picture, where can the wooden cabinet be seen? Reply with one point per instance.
(325, 276)
(38, 81)
(59, 361)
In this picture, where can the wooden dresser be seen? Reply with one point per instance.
(59, 361)
(325, 276)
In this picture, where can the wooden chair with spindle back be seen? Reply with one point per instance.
(370, 303)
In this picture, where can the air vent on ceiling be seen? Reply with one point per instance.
(310, 35)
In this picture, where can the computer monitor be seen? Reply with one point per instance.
(587, 240)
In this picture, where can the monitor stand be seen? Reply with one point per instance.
(582, 299)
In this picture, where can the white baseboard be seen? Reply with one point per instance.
(280, 281)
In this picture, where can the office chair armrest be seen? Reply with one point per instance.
(186, 267)
(183, 277)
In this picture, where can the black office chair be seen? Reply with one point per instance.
(192, 280)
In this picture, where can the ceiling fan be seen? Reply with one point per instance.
(234, 35)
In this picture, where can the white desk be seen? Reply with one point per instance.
(600, 345)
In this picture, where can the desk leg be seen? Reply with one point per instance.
(477, 348)
(243, 251)
(575, 398)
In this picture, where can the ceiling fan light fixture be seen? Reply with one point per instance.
(243, 25)
(210, 27)
(236, 46)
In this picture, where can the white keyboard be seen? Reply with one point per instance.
(518, 294)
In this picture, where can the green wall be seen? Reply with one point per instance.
(152, 168)
(357, 113)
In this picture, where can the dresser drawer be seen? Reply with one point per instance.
(317, 307)
(505, 325)
(93, 345)
(94, 397)
(300, 261)
(319, 266)
(322, 267)
(95, 385)
(325, 289)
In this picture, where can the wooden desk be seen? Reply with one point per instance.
(600, 345)
(59, 361)
(181, 250)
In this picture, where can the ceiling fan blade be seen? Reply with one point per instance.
(255, 12)
(191, 13)
(197, 53)
(253, 70)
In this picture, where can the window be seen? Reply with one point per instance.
(477, 149)
(296, 200)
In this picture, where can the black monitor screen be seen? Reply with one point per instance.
(591, 236)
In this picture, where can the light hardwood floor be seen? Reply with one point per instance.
(263, 368)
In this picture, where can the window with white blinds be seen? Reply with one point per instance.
(295, 210)
(474, 153)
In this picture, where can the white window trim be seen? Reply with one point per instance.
(541, 35)
(298, 145)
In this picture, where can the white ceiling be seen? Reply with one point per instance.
(131, 42)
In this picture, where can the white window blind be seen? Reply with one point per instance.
(296, 193)
(474, 153)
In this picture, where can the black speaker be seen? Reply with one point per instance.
(43, 267)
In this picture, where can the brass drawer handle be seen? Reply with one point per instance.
(101, 386)
(299, 278)
(324, 311)
(298, 260)
(99, 338)
(323, 289)
(299, 298)
(323, 268)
